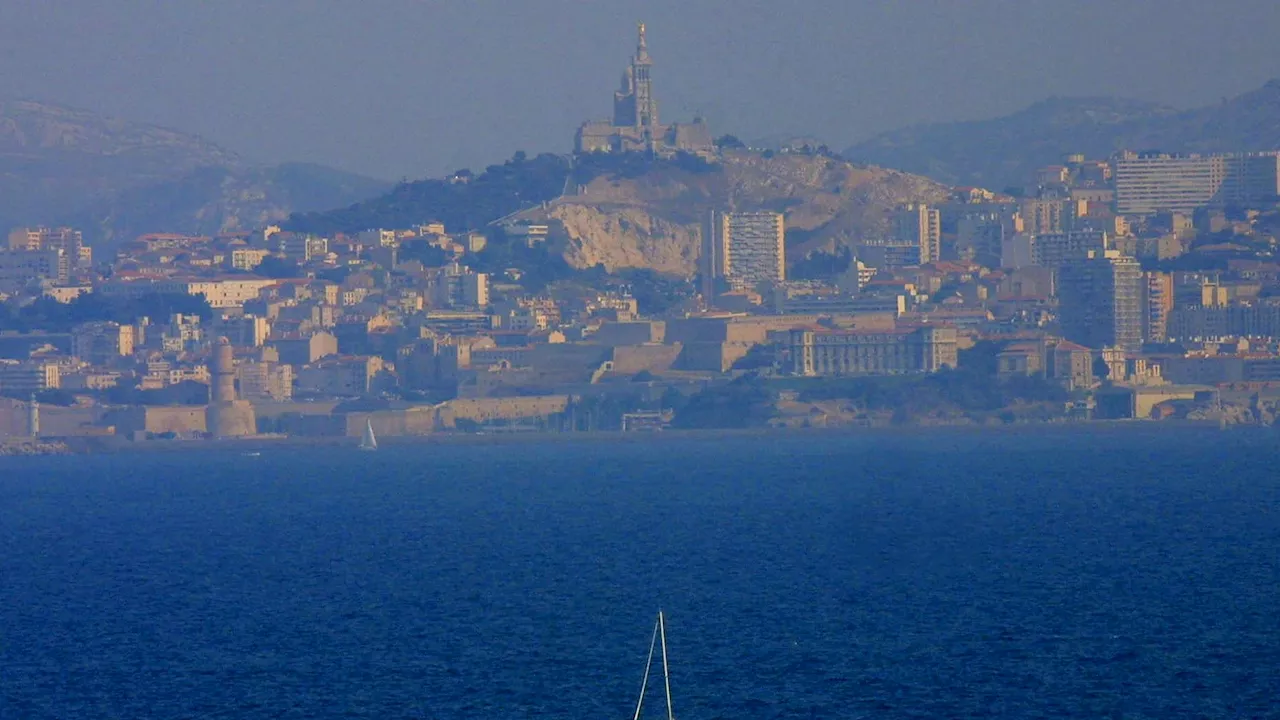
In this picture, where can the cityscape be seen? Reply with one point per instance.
(710, 359)
(664, 276)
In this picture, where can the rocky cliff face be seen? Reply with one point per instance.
(654, 221)
(625, 237)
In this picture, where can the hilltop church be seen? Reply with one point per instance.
(635, 126)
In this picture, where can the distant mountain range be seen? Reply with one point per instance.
(116, 179)
(1004, 151)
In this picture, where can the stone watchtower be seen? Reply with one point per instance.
(226, 416)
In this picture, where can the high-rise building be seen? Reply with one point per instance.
(980, 237)
(744, 249)
(1100, 301)
(921, 225)
(26, 377)
(19, 267)
(65, 239)
(1158, 303)
(1150, 183)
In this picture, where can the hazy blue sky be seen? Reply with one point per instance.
(413, 87)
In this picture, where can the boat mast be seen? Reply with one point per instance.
(666, 674)
(644, 684)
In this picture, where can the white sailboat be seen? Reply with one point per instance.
(659, 635)
(368, 441)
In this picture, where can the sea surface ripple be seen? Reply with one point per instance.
(930, 574)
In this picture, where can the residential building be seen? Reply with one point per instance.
(980, 237)
(264, 379)
(744, 250)
(1051, 250)
(1158, 303)
(1149, 183)
(1101, 300)
(341, 376)
(299, 350)
(246, 259)
(531, 234)
(301, 248)
(889, 253)
(457, 286)
(19, 378)
(19, 267)
(918, 224)
(244, 331)
(100, 343)
(1045, 215)
(66, 239)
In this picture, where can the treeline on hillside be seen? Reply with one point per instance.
(52, 316)
(462, 202)
(465, 201)
(632, 165)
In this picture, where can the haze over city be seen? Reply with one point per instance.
(412, 88)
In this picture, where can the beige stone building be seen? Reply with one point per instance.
(635, 126)
(822, 351)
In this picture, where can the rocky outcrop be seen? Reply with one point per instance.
(625, 237)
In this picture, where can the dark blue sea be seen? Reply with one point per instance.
(1083, 573)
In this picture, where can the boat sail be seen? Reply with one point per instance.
(659, 636)
(368, 441)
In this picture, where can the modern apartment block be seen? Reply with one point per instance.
(23, 377)
(18, 267)
(457, 286)
(1101, 301)
(1158, 301)
(100, 343)
(920, 225)
(745, 249)
(1051, 250)
(1150, 183)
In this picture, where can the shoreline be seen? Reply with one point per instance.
(256, 444)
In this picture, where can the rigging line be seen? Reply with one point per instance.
(666, 675)
(644, 684)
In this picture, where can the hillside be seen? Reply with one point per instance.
(462, 202)
(630, 211)
(117, 178)
(1004, 151)
(654, 220)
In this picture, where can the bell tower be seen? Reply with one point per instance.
(641, 66)
(633, 104)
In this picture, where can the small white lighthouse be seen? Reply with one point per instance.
(33, 418)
